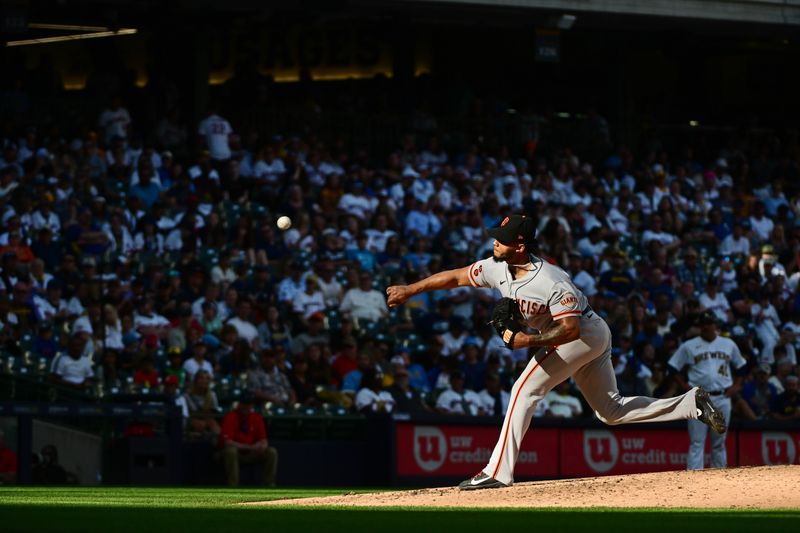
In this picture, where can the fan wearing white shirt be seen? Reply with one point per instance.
(457, 400)
(562, 404)
(197, 361)
(214, 132)
(309, 301)
(73, 368)
(269, 167)
(115, 120)
(244, 328)
(716, 302)
(494, 400)
(364, 302)
(736, 243)
(761, 224)
(657, 233)
(371, 398)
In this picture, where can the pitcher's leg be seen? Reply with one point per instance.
(545, 370)
(719, 455)
(598, 384)
(697, 445)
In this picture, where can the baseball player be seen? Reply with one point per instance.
(573, 341)
(709, 358)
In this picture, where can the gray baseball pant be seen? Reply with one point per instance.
(697, 438)
(588, 360)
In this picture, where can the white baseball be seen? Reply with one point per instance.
(284, 223)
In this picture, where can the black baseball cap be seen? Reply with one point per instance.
(515, 229)
(705, 318)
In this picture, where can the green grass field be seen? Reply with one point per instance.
(116, 509)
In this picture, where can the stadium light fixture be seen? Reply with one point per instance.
(65, 27)
(74, 37)
(565, 21)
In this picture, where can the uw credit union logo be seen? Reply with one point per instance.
(777, 448)
(600, 450)
(430, 447)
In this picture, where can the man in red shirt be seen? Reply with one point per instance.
(244, 440)
(8, 462)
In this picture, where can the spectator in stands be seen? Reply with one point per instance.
(243, 440)
(691, 270)
(617, 279)
(203, 406)
(406, 399)
(48, 471)
(735, 244)
(146, 375)
(371, 398)
(302, 383)
(73, 369)
(364, 302)
(767, 322)
(8, 462)
(198, 361)
(786, 405)
(494, 400)
(308, 301)
(716, 302)
(562, 403)
(268, 384)
(473, 365)
(759, 392)
(761, 224)
(214, 133)
(314, 334)
(244, 327)
(458, 400)
(345, 361)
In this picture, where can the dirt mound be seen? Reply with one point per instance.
(765, 487)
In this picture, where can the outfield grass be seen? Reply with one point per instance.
(149, 510)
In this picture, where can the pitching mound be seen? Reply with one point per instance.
(766, 487)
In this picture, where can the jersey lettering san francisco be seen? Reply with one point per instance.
(545, 294)
(709, 362)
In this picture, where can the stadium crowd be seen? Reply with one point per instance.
(126, 268)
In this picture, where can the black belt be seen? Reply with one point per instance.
(716, 393)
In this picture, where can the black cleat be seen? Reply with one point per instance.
(481, 481)
(708, 413)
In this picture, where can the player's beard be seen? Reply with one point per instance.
(499, 259)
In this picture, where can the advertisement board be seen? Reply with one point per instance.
(438, 450)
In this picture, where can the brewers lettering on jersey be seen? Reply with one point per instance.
(572, 341)
(709, 358)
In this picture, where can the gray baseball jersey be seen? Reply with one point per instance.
(546, 294)
(709, 362)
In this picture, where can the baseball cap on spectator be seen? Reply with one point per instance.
(472, 341)
(171, 380)
(131, 338)
(409, 172)
(509, 167)
(317, 316)
(705, 318)
(166, 154)
(738, 331)
(81, 326)
(397, 360)
(515, 229)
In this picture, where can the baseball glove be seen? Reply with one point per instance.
(507, 319)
